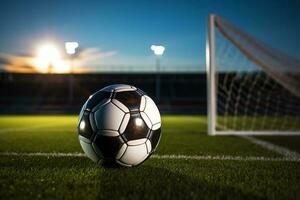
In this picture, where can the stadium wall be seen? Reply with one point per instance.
(181, 93)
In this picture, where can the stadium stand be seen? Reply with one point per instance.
(49, 93)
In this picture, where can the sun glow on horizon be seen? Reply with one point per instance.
(49, 60)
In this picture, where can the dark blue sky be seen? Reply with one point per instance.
(130, 27)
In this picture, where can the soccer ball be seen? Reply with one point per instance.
(119, 124)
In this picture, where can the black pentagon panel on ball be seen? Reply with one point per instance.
(109, 146)
(136, 128)
(97, 98)
(131, 99)
(154, 138)
(84, 126)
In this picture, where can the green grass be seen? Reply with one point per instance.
(25, 177)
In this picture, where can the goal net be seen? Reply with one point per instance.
(252, 87)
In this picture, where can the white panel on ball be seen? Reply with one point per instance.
(149, 146)
(81, 113)
(116, 87)
(151, 110)
(109, 117)
(125, 89)
(146, 120)
(84, 139)
(134, 155)
(123, 164)
(137, 142)
(120, 105)
(88, 150)
(121, 151)
(156, 126)
(143, 103)
(124, 123)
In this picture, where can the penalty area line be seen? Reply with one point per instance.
(162, 157)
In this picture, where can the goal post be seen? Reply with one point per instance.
(252, 88)
(211, 79)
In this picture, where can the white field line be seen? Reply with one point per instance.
(156, 156)
(42, 154)
(289, 154)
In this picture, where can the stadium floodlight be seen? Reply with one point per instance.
(48, 52)
(48, 56)
(71, 47)
(158, 51)
(252, 89)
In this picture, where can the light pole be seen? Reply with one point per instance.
(158, 51)
(71, 50)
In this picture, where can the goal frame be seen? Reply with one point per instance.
(212, 97)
